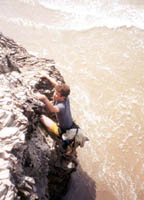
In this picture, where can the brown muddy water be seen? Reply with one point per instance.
(105, 69)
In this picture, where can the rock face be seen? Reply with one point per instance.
(33, 164)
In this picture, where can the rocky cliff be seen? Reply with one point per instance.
(33, 164)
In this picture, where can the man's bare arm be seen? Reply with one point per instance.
(48, 104)
(53, 81)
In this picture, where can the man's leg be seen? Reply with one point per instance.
(50, 124)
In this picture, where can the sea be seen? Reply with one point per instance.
(98, 46)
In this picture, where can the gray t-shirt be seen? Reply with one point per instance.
(64, 115)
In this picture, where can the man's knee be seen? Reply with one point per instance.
(46, 120)
(42, 118)
(50, 124)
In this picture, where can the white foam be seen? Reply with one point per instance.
(31, 2)
(84, 15)
(88, 14)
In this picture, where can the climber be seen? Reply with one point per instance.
(61, 108)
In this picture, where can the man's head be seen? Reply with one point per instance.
(61, 92)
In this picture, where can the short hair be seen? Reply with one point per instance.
(63, 89)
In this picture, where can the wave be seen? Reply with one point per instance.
(90, 13)
(87, 14)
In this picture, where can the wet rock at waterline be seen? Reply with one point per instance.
(33, 165)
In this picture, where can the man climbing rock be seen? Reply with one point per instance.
(61, 108)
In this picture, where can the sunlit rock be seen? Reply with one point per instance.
(8, 132)
(32, 162)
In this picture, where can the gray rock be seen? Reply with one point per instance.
(33, 163)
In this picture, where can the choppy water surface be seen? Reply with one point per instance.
(98, 46)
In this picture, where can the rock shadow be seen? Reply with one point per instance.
(81, 186)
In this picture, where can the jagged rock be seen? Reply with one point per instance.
(3, 190)
(34, 165)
